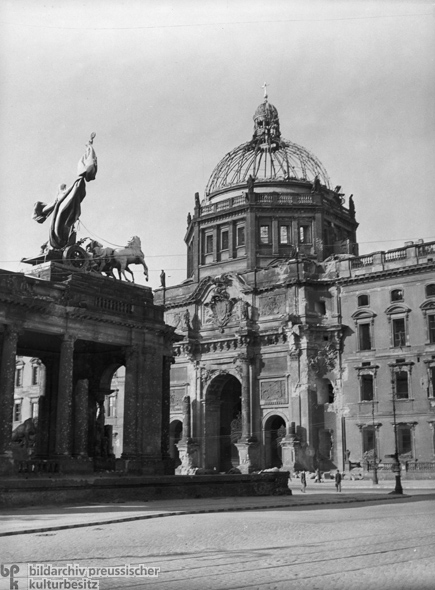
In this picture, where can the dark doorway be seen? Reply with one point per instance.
(175, 434)
(274, 432)
(222, 423)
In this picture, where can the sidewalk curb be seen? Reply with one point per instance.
(201, 511)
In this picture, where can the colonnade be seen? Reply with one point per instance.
(73, 390)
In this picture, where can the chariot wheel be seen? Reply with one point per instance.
(76, 257)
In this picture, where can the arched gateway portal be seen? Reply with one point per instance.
(222, 427)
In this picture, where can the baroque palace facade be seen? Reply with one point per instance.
(296, 352)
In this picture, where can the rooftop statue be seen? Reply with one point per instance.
(106, 259)
(66, 207)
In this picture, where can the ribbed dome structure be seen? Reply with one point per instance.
(267, 157)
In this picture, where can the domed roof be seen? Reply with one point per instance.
(267, 157)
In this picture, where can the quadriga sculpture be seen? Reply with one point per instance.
(107, 259)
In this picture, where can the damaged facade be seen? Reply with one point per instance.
(273, 368)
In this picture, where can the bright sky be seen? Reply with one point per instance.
(171, 86)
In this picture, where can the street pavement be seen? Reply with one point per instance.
(33, 519)
(361, 539)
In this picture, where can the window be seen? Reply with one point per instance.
(284, 234)
(224, 240)
(209, 243)
(19, 377)
(241, 235)
(264, 234)
(397, 295)
(399, 333)
(331, 394)
(364, 336)
(34, 406)
(363, 300)
(17, 411)
(35, 375)
(368, 439)
(305, 234)
(320, 307)
(111, 408)
(431, 381)
(402, 389)
(431, 328)
(367, 388)
(404, 439)
(430, 290)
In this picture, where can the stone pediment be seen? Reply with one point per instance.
(428, 305)
(397, 308)
(363, 314)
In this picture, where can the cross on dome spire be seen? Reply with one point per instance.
(265, 90)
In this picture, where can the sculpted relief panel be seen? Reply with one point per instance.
(177, 394)
(273, 392)
(271, 305)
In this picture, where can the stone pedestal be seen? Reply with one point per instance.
(248, 456)
(290, 451)
(189, 456)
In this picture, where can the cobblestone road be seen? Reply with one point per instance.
(377, 545)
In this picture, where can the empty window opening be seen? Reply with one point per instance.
(241, 235)
(402, 385)
(264, 234)
(365, 340)
(367, 388)
(399, 335)
(363, 300)
(397, 295)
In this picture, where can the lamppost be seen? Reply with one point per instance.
(375, 455)
(396, 465)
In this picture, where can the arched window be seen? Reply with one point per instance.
(364, 322)
(398, 317)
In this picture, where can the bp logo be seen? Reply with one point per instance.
(10, 572)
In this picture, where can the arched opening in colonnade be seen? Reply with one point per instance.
(175, 434)
(222, 425)
(274, 432)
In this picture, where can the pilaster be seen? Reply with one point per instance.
(81, 418)
(64, 428)
(130, 404)
(7, 376)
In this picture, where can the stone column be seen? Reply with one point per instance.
(211, 434)
(246, 398)
(189, 451)
(166, 405)
(246, 445)
(64, 427)
(7, 383)
(81, 418)
(48, 409)
(130, 404)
